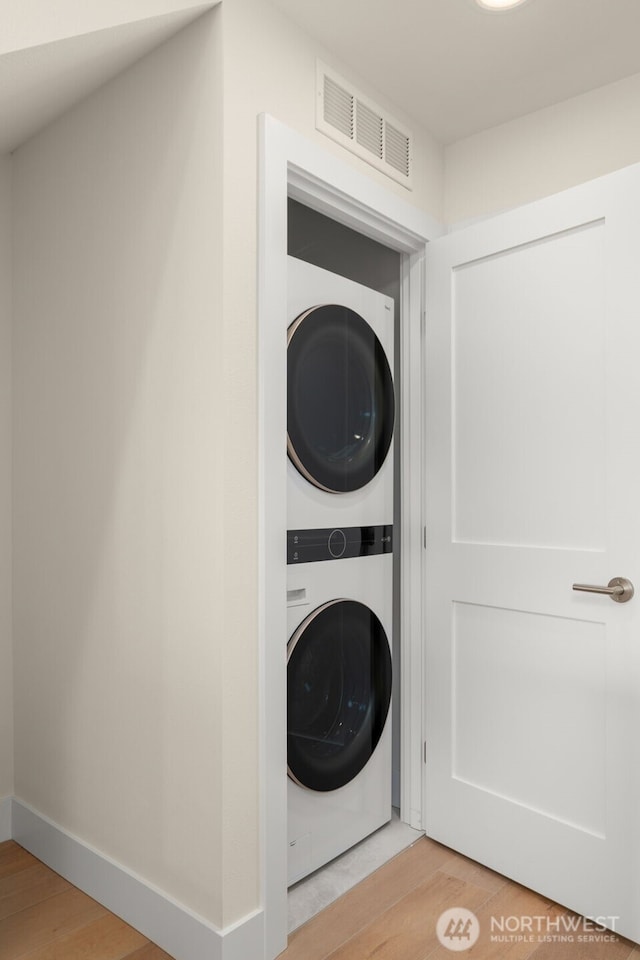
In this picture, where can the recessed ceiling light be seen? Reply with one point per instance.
(499, 4)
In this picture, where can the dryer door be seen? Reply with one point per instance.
(338, 694)
(340, 407)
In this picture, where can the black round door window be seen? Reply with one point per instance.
(340, 403)
(338, 693)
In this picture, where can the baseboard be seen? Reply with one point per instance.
(183, 934)
(5, 819)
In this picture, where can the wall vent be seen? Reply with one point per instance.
(338, 107)
(362, 127)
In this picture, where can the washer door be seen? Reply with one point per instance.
(338, 694)
(340, 407)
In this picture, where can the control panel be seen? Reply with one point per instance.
(337, 543)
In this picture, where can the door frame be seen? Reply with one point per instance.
(289, 165)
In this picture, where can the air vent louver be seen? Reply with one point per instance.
(396, 148)
(369, 129)
(338, 107)
(362, 127)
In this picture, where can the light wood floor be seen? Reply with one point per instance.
(392, 915)
(389, 916)
(42, 917)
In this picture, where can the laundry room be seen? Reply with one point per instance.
(225, 445)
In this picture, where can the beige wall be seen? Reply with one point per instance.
(270, 66)
(544, 152)
(121, 472)
(31, 23)
(6, 668)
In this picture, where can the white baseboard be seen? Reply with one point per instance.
(5, 819)
(183, 934)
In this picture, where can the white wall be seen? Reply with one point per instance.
(544, 152)
(6, 668)
(120, 471)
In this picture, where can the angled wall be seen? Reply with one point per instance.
(119, 470)
(32, 23)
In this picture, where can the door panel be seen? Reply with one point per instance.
(500, 665)
(527, 360)
(533, 470)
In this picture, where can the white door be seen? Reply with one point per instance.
(533, 484)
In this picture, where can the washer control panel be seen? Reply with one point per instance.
(335, 543)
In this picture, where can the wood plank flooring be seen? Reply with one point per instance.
(392, 916)
(42, 917)
(389, 916)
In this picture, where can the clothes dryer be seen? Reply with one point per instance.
(339, 680)
(340, 401)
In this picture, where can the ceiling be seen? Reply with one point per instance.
(458, 69)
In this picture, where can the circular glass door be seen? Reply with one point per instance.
(338, 693)
(340, 402)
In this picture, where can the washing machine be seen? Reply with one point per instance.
(340, 422)
(340, 401)
(339, 680)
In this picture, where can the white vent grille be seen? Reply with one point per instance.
(338, 107)
(397, 149)
(369, 129)
(362, 127)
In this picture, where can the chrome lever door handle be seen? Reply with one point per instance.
(619, 589)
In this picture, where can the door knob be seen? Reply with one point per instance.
(619, 589)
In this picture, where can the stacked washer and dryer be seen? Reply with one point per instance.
(340, 421)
